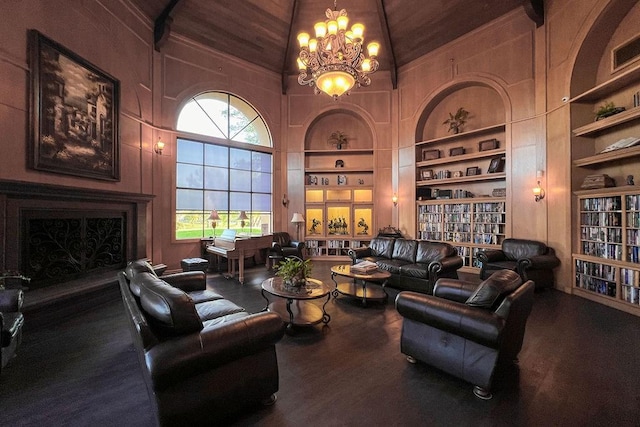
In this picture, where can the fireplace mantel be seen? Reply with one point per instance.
(20, 202)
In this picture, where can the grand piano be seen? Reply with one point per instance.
(236, 248)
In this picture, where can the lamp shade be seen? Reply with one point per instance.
(243, 216)
(214, 216)
(297, 217)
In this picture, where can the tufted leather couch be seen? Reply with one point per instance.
(466, 329)
(283, 246)
(414, 264)
(531, 259)
(203, 358)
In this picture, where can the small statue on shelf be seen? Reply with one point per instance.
(630, 180)
(365, 227)
(314, 224)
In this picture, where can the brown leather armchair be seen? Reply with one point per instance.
(11, 322)
(531, 259)
(283, 246)
(466, 329)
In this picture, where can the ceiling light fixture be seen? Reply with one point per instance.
(334, 61)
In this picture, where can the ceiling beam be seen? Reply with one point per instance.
(162, 25)
(534, 10)
(285, 68)
(384, 24)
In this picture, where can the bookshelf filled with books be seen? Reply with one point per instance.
(607, 257)
(469, 225)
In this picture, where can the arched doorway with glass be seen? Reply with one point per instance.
(224, 168)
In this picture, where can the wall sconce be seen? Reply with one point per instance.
(214, 217)
(297, 220)
(394, 199)
(159, 146)
(285, 201)
(242, 218)
(538, 191)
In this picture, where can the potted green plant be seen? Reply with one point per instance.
(607, 109)
(294, 271)
(457, 121)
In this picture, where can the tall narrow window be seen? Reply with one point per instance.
(219, 175)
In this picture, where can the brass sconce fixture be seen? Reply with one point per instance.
(158, 147)
(285, 201)
(538, 191)
(394, 199)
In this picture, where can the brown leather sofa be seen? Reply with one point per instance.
(531, 259)
(204, 359)
(414, 265)
(11, 323)
(467, 329)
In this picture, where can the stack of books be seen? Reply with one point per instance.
(364, 267)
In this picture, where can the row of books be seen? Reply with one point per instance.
(598, 286)
(602, 234)
(633, 237)
(601, 271)
(602, 204)
(488, 228)
(458, 237)
(630, 294)
(489, 207)
(430, 209)
(464, 227)
(489, 218)
(630, 277)
(633, 254)
(602, 250)
(610, 219)
(633, 219)
(430, 235)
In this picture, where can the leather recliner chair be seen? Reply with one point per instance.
(466, 329)
(531, 259)
(283, 246)
(11, 323)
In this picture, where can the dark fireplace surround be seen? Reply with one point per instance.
(55, 234)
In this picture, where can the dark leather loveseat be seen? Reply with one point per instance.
(414, 265)
(203, 358)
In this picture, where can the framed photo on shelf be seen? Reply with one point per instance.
(430, 154)
(474, 170)
(457, 151)
(426, 174)
(496, 165)
(74, 113)
(488, 144)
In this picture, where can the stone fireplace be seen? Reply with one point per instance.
(55, 234)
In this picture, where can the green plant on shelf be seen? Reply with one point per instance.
(456, 121)
(607, 109)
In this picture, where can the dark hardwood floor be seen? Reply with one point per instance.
(580, 366)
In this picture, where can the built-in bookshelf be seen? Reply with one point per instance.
(469, 225)
(607, 262)
(606, 244)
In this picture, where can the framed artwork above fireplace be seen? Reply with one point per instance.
(74, 113)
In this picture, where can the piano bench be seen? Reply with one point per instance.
(194, 264)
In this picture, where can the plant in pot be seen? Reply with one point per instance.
(294, 271)
(456, 121)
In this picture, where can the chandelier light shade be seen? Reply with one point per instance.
(334, 61)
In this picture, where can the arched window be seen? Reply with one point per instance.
(229, 172)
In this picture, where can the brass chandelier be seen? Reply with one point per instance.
(334, 61)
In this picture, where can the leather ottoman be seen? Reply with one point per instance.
(194, 264)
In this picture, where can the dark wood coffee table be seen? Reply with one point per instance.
(293, 304)
(358, 288)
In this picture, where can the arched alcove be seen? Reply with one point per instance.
(359, 135)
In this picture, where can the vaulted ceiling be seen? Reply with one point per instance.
(264, 32)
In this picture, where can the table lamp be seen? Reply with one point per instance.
(214, 217)
(242, 218)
